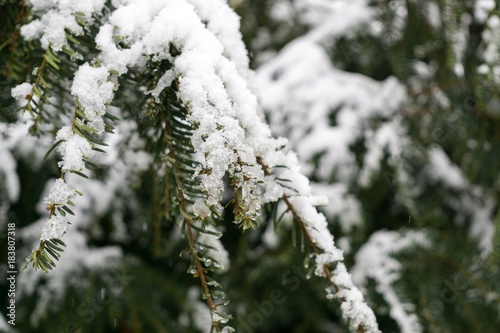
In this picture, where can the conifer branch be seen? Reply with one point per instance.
(200, 271)
(326, 267)
(38, 90)
(300, 222)
(39, 256)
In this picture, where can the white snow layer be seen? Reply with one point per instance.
(20, 91)
(93, 90)
(482, 9)
(60, 193)
(200, 310)
(8, 173)
(324, 111)
(374, 261)
(73, 149)
(57, 16)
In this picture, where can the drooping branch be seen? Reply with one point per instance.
(358, 314)
(300, 222)
(326, 266)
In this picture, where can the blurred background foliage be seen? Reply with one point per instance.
(452, 285)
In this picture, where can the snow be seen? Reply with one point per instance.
(69, 271)
(83, 8)
(164, 82)
(229, 130)
(345, 15)
(395, 29)
(342, 206)
(302, 92)
(482, 9)
(200, 209)
(55, 227)
(100, 197)
(304, 95)
(326, 18)
(16, 145)
(114, 58)
(491, 52)
(204, 73)
(318, 230)
(491, 38)
(434, 15)
(52, 28)
(224, 23)
(483, 225)
(201, 313)
(59, 194)
(55, 17)
(42, 4)
(218, 255)
(299, 184)
(441, 169)
(471, 203)
(92, 88)
(8, 167)
(460, 37)
(272, 190)
(354, 309)
(20, 91)
(390, 138)
(73, 150)
(374, 261)
(138, 161)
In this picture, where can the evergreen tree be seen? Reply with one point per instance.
(406, 150)
(151, 196)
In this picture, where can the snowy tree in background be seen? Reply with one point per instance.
(392, 108)
(148, 141)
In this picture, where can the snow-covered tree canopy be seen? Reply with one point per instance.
(153, 176)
